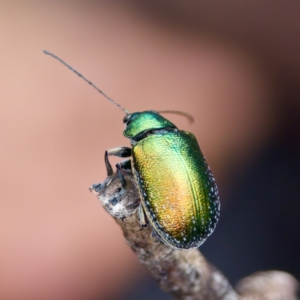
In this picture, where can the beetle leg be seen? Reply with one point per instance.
(96, 186)
(142, 215)
(118, 151)
(123, 165)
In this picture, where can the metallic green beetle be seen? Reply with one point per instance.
(179, 196)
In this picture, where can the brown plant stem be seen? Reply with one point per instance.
(186, 274)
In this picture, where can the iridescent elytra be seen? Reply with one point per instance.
(179, 195)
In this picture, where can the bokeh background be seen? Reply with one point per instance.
(234, 65)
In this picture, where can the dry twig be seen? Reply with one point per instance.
(186, 274)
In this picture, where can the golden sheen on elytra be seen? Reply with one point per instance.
(180, 197)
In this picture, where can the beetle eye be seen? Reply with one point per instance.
(125, 119)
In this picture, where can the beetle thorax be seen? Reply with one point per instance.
(140, 124)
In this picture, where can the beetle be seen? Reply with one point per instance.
(179, 195)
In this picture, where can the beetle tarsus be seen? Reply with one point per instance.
(116, 199)
(96, 187)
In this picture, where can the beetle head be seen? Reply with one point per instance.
(139, 122)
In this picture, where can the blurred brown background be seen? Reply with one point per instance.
(234, 65)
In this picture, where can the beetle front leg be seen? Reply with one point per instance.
(123, 165)
(118, 151)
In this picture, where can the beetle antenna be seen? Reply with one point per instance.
(181, 113)
(89, 82)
